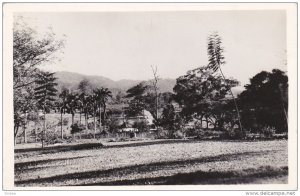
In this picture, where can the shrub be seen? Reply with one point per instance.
(178, 135)
(65, 122)
(268, 131)
(113, 125)
(75, 128)
(141, 125)
(210, 134)
(112, 140)
(191, 132)
(91, 125)
(234, 133)
(162, 134)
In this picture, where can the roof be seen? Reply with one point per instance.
(130, 130)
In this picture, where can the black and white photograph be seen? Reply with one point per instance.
(159, 95)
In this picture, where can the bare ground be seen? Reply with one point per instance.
(153, 162)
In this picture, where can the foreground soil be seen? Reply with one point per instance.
(158, 162)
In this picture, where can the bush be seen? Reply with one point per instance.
(268, 131)
(52, 137)
(209, 134)
(141, 125)
(234, 133)
(65, 122)
(192, 132)
(75, 128)
(112, 140)
(178, 135)
(162, 134)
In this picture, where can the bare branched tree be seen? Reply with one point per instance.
(154, 83)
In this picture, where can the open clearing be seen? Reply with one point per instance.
(153, 162)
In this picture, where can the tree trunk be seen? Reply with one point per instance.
(94, 123)
(86, 123)
(100, 117)
(156, 104)
(43, 133)
(104, 113)
(235, 104)
(61, 126)
(80, 116)
(206, 122)
(35, 133)
(24, 128)
(73, 118)
(282, 103)
(16, 129)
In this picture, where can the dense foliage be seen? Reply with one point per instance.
(265, 101)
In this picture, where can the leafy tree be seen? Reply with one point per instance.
(137, 97)
(216, 59)
(171, 120)
(113, 125)
(168, 119)
(119, 97)
(24, 102)
(200, 91)
(165, 98)
(30, 50)
(75, 128)
(265, 101)
(45, 93)
(85, 86)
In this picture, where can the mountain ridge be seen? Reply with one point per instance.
(72, 80)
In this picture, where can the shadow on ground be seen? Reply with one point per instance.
(201, 177)
(88, 146)
(198, 177)
(29, 165)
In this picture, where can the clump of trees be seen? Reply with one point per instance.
(35, 90)
(202, 95)
(264, 102)
(30, 86)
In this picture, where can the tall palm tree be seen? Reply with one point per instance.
(92, 99)
(84, 104)
(101, 97)
(63, 106)
(216, 59)
(72, 104)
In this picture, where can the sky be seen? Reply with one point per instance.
(124, 45)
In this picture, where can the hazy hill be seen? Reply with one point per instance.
(71, 81)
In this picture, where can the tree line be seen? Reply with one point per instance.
(202, 96)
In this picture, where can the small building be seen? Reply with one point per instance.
(128, 130)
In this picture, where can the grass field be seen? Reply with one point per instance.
(153, 162)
